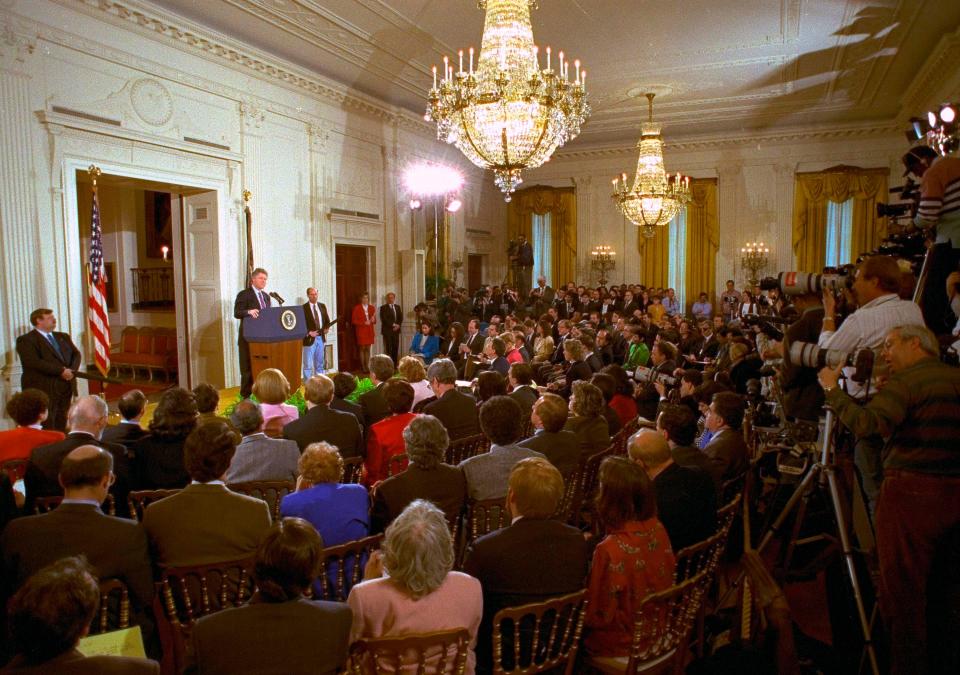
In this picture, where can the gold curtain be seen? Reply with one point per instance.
(703, 240)
(654, 257)
(811, 194)
(561, 204)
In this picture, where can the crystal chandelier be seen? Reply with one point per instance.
(508, 114)
(655, 198)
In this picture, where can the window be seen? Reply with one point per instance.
(839, 233)
(677, 260)
(542, 248)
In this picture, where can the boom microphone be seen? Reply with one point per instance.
(275, 296)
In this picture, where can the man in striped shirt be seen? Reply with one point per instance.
(917, 410)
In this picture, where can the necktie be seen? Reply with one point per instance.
(393, 308)
(260, 299)
(55, 345)
(316, 317)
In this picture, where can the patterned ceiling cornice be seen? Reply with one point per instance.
(939, 67)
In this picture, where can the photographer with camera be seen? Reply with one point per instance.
(802, 395)
(917, 410)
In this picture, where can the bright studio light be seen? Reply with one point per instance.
(431, 179)
(453, 205)
(948, 114)
(415, 204)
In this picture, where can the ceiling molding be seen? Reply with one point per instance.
(939, 68)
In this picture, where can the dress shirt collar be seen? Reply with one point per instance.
(253, 436)
(209, 482)
(44, 333)
(38, 427)
(135, 423)
(516, 520)
(88, 502)
(881, 300)
(82, 433)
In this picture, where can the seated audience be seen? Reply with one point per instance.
(622, 402)
(28, 409)
(131, 406)
(279, 629)
(208, 399)
(487, 473)
(259, 457)
(608, 387)
(543, 345)
(577, 368)
(633, 560)
(374, 405)
(522, 388)
(427, 477)
(586, 419)
(271, 389)
(456, 411)
(321, 423)
(425, 344)
(490, 383)
(337, 510)
(206, 523)
(679, 426)
(561, 447)
(494, 350)
(48, 616)
(159, 455)
(726, 450)
(412, 370)
(409, 587)
(513, 354)
(385, 438)
(686, 498)
(344, 384)
(534, 558)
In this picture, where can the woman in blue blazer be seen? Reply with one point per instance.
(425, 344)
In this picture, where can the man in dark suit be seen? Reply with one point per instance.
(534, 558)
(391, 317)
(318, 321)
(456, 411)
(249, 302)
(591, 358)
(426, 477)
(472, 345)
(541, 297)
(322, 423)
(561, 447)
(686, 498)
(522, 389)
(344, 384)
(278, 630)
(523, 261)
(116, 547)
(49, 360)
(87, 418)
(678, 425)
(374, 404)
(567, 306)
(727, 450)
(131, 406)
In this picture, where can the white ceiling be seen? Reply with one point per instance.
(722, 66)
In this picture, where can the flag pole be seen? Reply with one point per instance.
(97, 310)
(248, 217)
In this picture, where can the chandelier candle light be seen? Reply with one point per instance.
(602, 260)
(754, 257)
(509, 113)
(654, 198)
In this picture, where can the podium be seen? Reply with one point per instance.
(276, 341)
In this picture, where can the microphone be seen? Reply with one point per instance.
(275, 296)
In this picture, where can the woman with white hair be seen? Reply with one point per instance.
(420, 594)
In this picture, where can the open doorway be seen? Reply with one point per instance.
(161, 259)
(353, 278)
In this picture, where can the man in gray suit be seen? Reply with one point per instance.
(487, 474)
(259, 457)
(323, 423)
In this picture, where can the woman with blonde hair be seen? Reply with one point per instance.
(411, 369)
(272, 388)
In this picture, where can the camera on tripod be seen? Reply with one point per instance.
(909, 198)
(643, 374)
(765, 323)
(811, 355)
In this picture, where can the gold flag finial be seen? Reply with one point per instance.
(94, 172)
(246, 195)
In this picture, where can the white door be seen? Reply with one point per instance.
(199, 315)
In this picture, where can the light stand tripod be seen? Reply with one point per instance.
(825, 471)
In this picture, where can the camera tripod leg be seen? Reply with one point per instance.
(865, 624)
(802, 489)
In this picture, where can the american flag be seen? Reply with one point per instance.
(97, 300)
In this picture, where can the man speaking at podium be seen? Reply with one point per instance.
(249, 302)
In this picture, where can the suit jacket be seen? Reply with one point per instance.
(18, 443)
(693, 457)
(594, 362)
(322, 423)
(578, 370)
(346, 406)
(475, 343)
(426, 345)
(525, 396)
(450, 349)
(312, 323)
(116, 547)
(73, 662)
(42, 476)
(444, 485)
(457, 412)
(245, 301)
(500, 365)
(561, 448)
(205, 523)
(529, 561)
(261, 458)
(709, 348)
(487, 474)
(388, 318)
(338, 511)
(593, 433)
(42, 366)
(159, 463)
(485, 310)
(374, 405)
(727, 452)
(124, 433)
(686, 504)
(384, 440)
(295, 637)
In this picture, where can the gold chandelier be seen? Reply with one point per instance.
(508, 114)
(655, 198)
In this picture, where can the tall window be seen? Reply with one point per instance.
(839, 233)
(677, 261)
(542, 248)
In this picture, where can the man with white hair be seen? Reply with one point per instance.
(686, 497)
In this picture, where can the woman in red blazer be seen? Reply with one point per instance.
(385, 438)
(28, 409)
(364, 319)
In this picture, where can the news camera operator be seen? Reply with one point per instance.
(802, 395)
(917, 409)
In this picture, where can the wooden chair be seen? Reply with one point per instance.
(589, 483)
(441, 653)
(727, 512)
(544, 636)
(139, 500)
(732, 487)
(270, 491)
(704, 556)
(114, 612)
(661, 631)
(186, 594)
(47, 504)
(352, 470)
(464, 448)
(571, 490)
(15, 469)
(345, 563)
(397, 464)
(484, 516)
